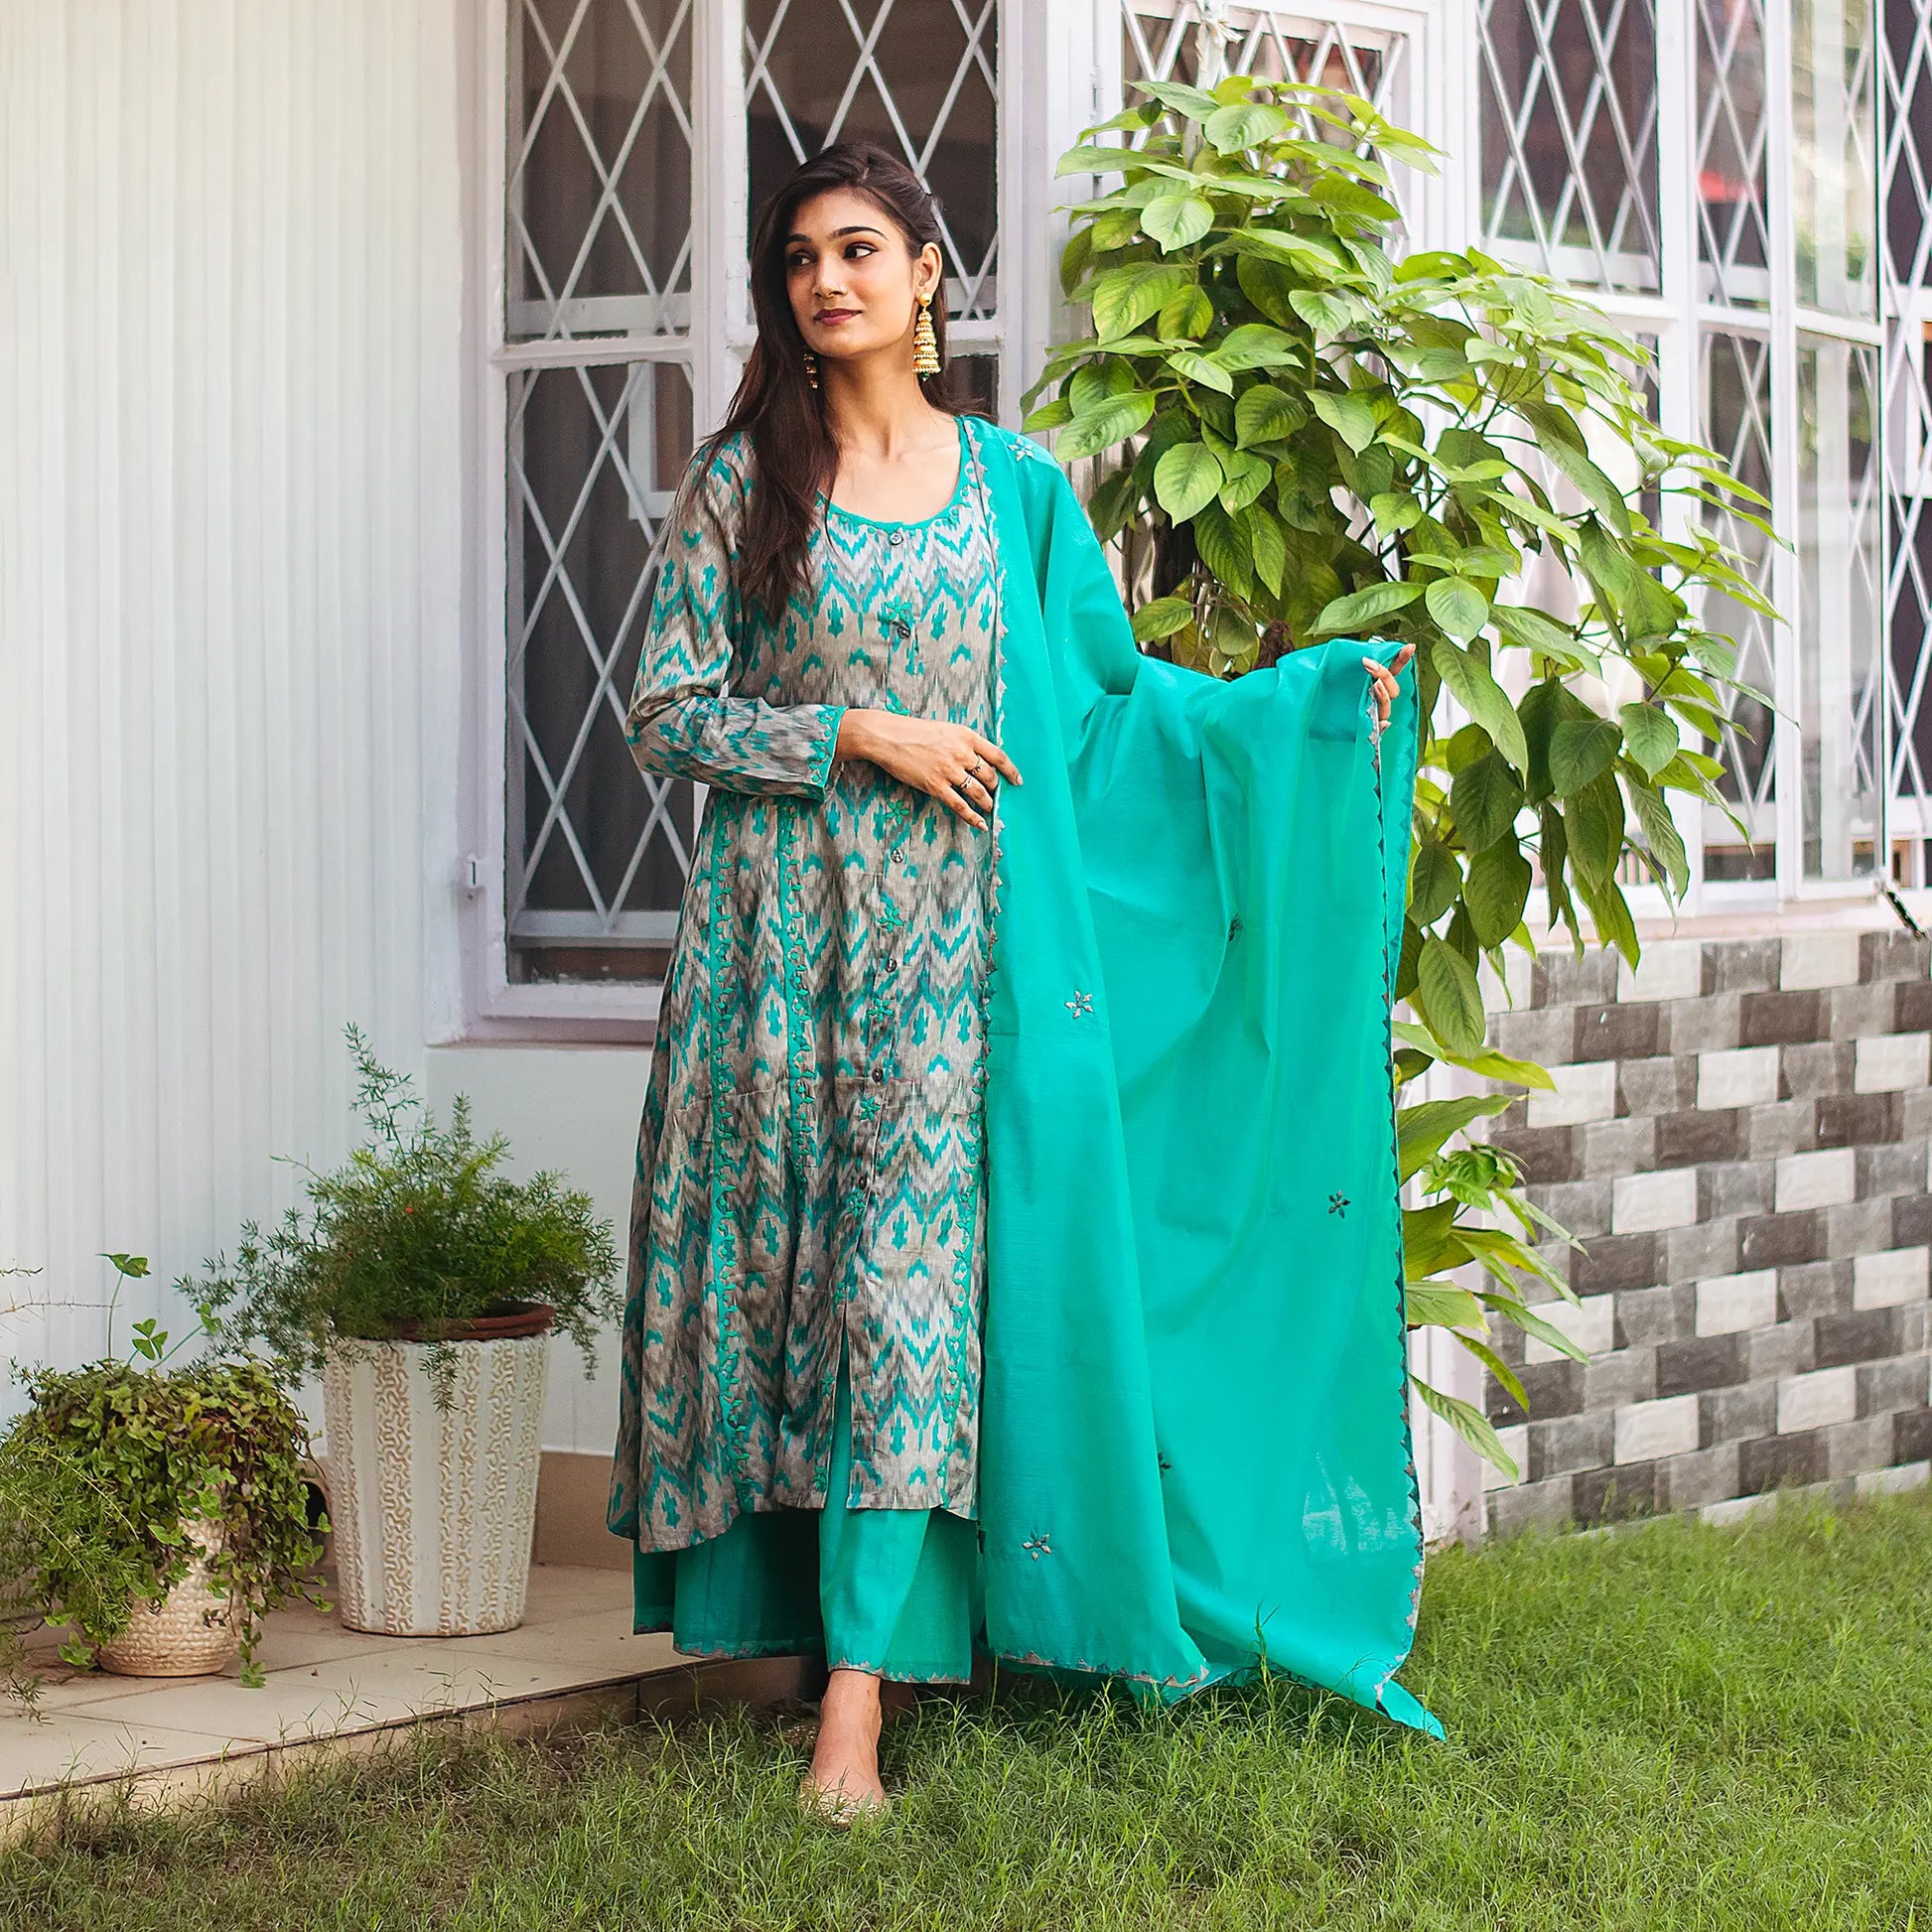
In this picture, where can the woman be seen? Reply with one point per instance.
(951, 1322)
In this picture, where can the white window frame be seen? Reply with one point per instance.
(491, 1004)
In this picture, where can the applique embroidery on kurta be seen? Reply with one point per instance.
(810, 1163)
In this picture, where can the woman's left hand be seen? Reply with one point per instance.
(1384, 676)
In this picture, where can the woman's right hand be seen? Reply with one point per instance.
(953, 762)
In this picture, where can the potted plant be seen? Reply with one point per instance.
(1296, 434)
(159, 1511)
(422, 1285)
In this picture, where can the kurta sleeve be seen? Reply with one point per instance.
(686, 719)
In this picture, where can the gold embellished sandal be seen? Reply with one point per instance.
(836, 1805)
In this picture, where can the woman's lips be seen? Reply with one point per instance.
(828, 318)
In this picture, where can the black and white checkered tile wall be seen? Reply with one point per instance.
(1738, 1136)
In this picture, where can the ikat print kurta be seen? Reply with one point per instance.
(810, 1164)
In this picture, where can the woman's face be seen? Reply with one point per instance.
(852, 280)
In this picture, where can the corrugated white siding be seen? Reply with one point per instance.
(230, 393)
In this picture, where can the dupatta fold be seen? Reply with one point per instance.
(1194, 1441)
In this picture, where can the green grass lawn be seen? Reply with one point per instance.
(1673, 1725)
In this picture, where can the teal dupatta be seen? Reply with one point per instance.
(1194, 1447)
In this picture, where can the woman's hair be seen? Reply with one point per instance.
(793, 454)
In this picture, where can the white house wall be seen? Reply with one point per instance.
(230, 508)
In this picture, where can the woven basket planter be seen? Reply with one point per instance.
(432, 1511)
(187, 1633)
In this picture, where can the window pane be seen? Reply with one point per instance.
(916, 77)
(596, 854)
(1737, 404)
(600, 168)
(1833, 173)
(1569, 137)
(1734, 240)
(1840, 704)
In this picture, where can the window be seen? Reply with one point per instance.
(1596, 153)
(637, 143)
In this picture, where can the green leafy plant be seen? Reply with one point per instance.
(1297, 436)
(101, 1473)
(415, 1236)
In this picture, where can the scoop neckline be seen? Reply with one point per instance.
(920, 523)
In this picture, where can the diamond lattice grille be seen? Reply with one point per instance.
(600, 179)
(917, 77)
(1733, 236)
(1737, 399)
(1905, 187)
(594, 455)
(1569, 137)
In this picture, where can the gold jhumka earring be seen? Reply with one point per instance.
(926, 344)
(811, 368)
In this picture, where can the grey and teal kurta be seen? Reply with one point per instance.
(1193, 1457)
(810, 1159)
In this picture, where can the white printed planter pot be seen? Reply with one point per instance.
(432, 1510)
(189, 1634)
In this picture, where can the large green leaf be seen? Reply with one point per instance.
(1162, 617)
(1349, 416)
(1661, 835)
(1594, 822)
(1497, 891)
(1582, 749)
(1423, 1128)
(1247, 477)
(1450, 1000)
(1471, 1424)
(1485, 798)
(1591, 483)
(1441, 1304)
(1193, 104)
(1247, 124)
(1256, 345)
(1492, 1064)
(1650, 735)
(1108, 422)
(1187, 477)
(1176, 221)
(1125, 296)
(1200, 368)
(1361, 610)
(1435, 879)
(1326, 314)
(1222, 549)
(1473, 687)
(1266, 414)
(1458, 605)
(1270, 549)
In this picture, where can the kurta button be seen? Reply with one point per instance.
(894, 538)
(878, 1076)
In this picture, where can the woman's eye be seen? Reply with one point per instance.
(859, 250)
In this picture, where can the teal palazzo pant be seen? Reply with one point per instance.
(899, 1592)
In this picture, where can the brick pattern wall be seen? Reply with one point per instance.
(1739, 1136)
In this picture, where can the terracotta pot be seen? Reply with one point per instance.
(187, 1633)
(432, 1510)
(524, 1319)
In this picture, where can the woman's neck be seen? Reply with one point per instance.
(874, 411)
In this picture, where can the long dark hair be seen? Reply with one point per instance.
(794, 456)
